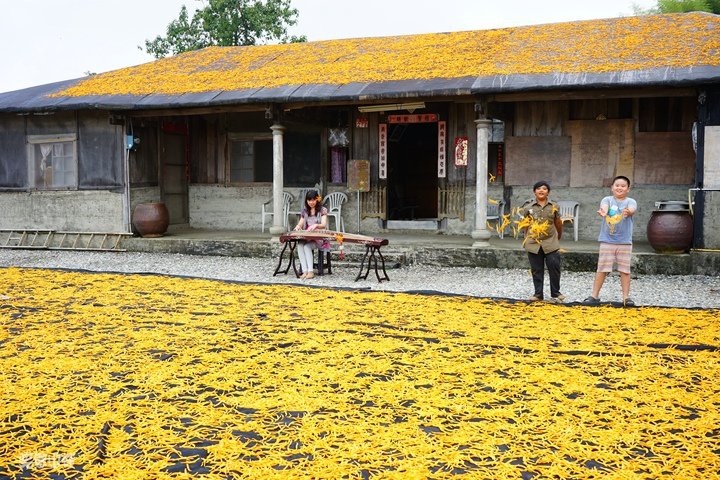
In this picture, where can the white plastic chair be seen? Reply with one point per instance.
(495, 213)
(267, 209)
(334, 202)
(301, 202)
(570, 212)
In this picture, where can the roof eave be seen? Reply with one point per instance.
(38, 99)
(657, 77)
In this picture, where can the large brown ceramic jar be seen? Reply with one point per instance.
(151, 219)
(670, 229)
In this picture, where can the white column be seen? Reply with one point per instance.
(481, 234)
(278, 180)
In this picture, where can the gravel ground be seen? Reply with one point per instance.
(657, 290)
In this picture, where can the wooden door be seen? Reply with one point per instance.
(174, 180)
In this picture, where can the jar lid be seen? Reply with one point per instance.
(673, 205)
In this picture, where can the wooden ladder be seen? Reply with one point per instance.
(52, 240)
(25, 238)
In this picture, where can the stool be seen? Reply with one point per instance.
(323, 262)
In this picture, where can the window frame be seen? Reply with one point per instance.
(243, 137)
(33, 141)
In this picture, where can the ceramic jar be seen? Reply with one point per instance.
(670, 229)
(150, 219)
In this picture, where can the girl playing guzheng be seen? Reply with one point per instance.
(312, 217)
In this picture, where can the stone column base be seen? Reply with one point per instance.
(481, 238)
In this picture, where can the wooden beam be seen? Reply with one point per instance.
(592, 94)
(546, 95)
(260, 107)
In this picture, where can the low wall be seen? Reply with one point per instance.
(238, 208)
(589, 200)
(227, 208)
(144, 195)
(70, 211)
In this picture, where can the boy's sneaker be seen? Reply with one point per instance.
(555, 299)
(629, 303)
(535, 299)
(591, 301)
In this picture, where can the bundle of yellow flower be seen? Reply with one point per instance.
(139, 376)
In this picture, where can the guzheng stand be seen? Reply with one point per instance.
(371, 257)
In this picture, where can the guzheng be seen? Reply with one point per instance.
(332, 235)
(373, 257)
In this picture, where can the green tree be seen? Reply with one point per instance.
(227, 23)
(679, 6)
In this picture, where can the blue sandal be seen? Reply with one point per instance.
(591, 301)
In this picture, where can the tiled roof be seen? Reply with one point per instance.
(627, 51)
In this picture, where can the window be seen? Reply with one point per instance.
(251, 159)
(52, 161)
(339, 142)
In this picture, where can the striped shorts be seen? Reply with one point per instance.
(610, 254)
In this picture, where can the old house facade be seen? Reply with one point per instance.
(446, 123)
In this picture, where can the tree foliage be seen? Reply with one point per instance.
(227, 23)
(680, 6)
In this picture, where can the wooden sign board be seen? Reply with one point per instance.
(358, 172)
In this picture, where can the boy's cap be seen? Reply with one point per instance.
(540, 184)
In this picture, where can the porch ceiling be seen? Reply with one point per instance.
(655, 50)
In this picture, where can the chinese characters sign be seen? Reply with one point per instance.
(461, 151)
(442, 160)
(413, 118)
(382, 151)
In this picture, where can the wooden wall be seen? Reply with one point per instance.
(540, 119)
(530, 159)
(664, 157)
(601, 149)
(585, 143)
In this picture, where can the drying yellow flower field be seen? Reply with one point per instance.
(139, 376)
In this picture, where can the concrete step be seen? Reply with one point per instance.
(434, 252)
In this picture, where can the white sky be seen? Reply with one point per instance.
(44, 41)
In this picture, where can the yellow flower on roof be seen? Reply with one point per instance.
(586, 47)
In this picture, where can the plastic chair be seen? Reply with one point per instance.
(334, 202)
(301, 201)
(495, 212)
(570, 212)
(267, 209)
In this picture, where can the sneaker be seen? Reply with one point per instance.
(591, 301)
(535, 299)
(558, 299)
(629, 303)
